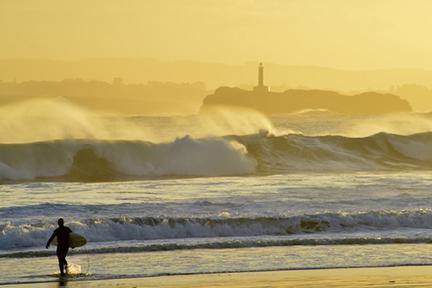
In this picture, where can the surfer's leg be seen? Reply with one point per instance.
(61, 263)
(62, 273)
(61, 255)
(64, 259)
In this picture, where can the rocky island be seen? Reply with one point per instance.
(261, 99)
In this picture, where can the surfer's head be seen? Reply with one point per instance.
(60, 222)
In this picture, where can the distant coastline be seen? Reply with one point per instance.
(187, 97)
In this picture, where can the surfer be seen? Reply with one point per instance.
(62, 233)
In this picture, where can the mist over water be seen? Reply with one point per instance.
(56, 119)
(323, 122)
(46, 120)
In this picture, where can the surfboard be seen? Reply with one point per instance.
(75, 240)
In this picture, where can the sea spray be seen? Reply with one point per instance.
(262, 153)
(56, 119)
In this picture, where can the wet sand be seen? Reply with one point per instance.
(406, 276)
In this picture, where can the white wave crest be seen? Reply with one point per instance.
(185, 156)
(150, 228)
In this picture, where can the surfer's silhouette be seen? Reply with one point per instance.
(62, 233)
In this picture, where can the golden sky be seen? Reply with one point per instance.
(358, 34)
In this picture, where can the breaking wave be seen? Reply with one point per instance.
(89, 160)
(95, 160)
(125, 228)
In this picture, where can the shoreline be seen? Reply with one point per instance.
(408, 275)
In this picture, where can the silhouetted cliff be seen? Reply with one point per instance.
(295, 100)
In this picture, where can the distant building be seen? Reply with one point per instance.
(117, 81)
(261, 88)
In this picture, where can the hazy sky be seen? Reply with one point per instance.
(336, 33)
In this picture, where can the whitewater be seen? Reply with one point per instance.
(87, 160)
(202, 194)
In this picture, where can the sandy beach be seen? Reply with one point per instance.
(408, 276)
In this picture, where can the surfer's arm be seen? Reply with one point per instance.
(51, 238)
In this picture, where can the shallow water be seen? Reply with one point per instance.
(125, 265)
(150, 227)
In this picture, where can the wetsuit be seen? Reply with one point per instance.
(62, 234)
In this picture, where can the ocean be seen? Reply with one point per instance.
(207, 194)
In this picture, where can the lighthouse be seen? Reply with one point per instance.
(261, 88)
